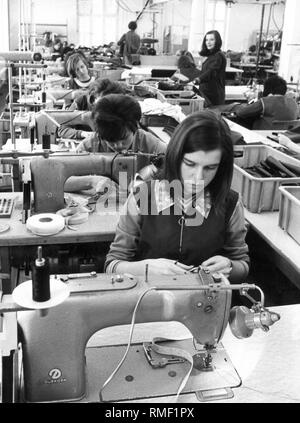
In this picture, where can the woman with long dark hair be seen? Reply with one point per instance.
(212, 76)
(189, 216)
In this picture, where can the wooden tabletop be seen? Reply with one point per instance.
(101, 226)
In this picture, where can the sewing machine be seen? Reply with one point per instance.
(57, 366)
(48, 121)
(50, 174)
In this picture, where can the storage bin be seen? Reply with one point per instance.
(188, 105)
(112, 74)
(289, 211)
(259, 194)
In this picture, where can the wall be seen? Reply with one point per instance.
(175, 24)
(290, 50)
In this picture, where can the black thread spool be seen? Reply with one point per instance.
(26, 200)
(46, 142)
(32, 137)
(44, 97)
(40, 278)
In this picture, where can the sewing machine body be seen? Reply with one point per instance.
(53, 346)
(50, 174)
(47, 121)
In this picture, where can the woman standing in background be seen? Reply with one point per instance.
(212, 76)
(130, 43)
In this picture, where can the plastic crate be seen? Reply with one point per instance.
(289, 211)
(188, 105)
(259, 194)
(112, 74)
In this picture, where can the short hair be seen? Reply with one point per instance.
(204, 130)
(72, 62)
(132, 25)
(275, 85)
(114, 115)
(204, 50)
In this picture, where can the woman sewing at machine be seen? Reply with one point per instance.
(116, 118)
(199, 222)
(86, 102)
(274, 105)
(77, 70)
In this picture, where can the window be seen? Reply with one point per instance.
(93, 28)
(4, 40)
(215, 16)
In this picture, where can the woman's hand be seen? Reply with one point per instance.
(163, 266)
(218, 264)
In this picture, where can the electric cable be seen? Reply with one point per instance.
(159, 349)
(129, 342)
(142, 11)
(274, 21)
(74, 117)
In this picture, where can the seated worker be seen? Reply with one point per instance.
(57, 52)
(268, 58)
(116, 119)
(199, 221)
(77, 70)
(86, 102)
(274, 105)
(99, 88)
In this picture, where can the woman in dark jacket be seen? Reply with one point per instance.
(212, 76)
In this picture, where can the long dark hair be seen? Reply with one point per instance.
(205, 131)
(204, 50)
